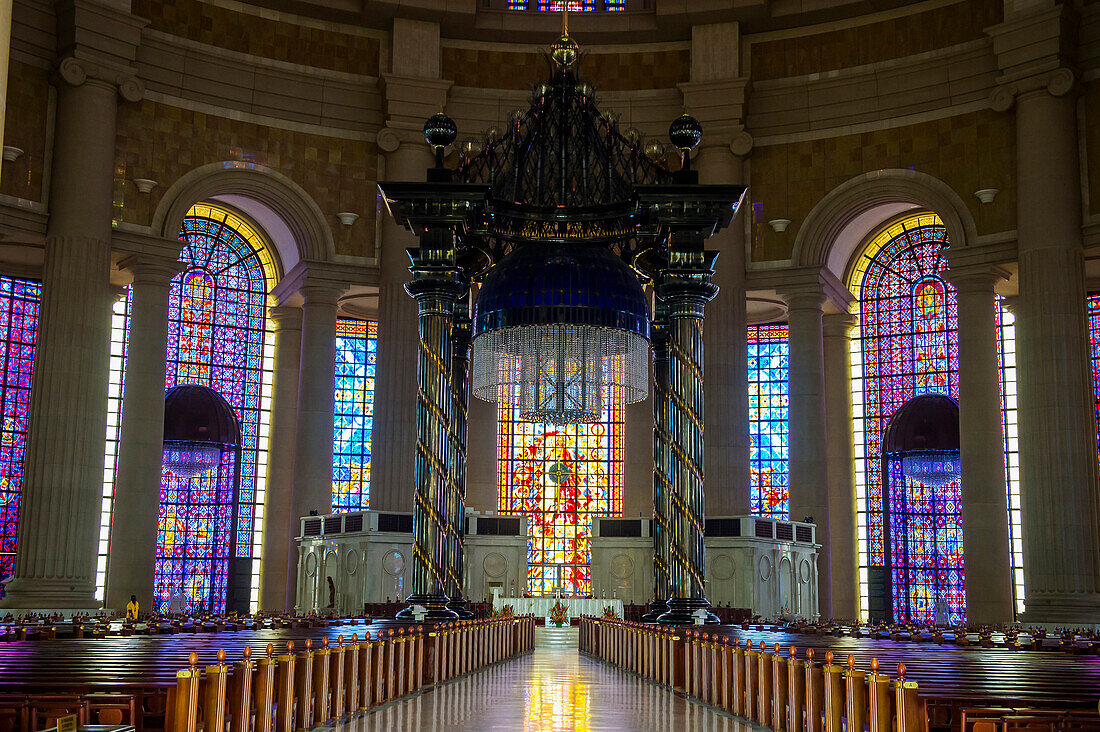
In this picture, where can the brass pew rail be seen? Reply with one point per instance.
(774, 685)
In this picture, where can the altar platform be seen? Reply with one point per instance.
(540, 606)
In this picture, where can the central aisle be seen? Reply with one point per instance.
(554, 689)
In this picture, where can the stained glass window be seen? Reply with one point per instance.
(217, 337)
(19, 301)
(1092, 306)
(906, 344)
(575, 6)
(560, 478)
(120, 336)
(1006, 359)
(356, 352)
(768, 420)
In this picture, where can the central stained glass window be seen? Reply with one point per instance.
(574, 6)
(560, 478)
(217, 337)
(19, 302)
(353, 420)
(769, 400)
(907, 345)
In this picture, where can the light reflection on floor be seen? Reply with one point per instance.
(555, 689)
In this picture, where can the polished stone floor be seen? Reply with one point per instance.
(554, 689)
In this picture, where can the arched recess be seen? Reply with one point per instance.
(288, 215)
(838, 225)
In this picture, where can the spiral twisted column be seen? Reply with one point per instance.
(436, 288)
(685, 293)
(460, 367)
(662, 484)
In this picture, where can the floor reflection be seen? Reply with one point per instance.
(555, 689)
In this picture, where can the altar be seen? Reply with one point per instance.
(540, 606)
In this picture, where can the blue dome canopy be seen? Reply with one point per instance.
(568, 283)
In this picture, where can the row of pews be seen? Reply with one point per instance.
(301, 679)
(760, 678)
(37, 628)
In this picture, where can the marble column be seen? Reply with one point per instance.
(132, 558)
(726, 331)
(279, 564)
(981, 450)
(63, 479)
(394, 439)
(843, 565)
(312, 488)
(808, 468)
(1058, 455)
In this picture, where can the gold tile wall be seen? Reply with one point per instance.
(967, 152)
(163, 142)
(882, 41)
(606, 71)
(1092, 143)
(246, 33)
(25, 127)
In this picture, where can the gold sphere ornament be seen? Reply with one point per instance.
(565, 52)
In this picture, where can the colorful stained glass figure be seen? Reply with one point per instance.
(560, 478)
(217, 337)
(769, 399)
(19, 302)
(356, 353)
(907, 345)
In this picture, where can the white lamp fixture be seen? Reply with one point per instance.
(11, 153)
(347, 218)
(779, 225)
(986, 195)
(145, 185)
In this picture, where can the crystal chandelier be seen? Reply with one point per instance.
(935, 468)
(191, 459)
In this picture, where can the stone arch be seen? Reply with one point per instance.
(292, 220)
(840, 222)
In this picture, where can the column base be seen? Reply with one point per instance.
(435, 610)
(1078, 610)
(26, 593)
(657, 608)
(681, 611)
(458, 606)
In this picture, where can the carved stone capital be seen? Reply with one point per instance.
(1058, 83)
(75, 72)
(742, 143)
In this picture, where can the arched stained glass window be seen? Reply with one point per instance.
(217, 337)
(1092, 305)
(906, 344)
(560, 478)
(769, 399)
(19, 301)
(356, 353)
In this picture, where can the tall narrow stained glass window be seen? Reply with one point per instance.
(560, 478)
(769, 399)
(217, 337)
(356, 353)
(19, 302)
(906, 344)
(1092, 310)
(1006, 361)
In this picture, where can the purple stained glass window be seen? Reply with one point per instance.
(908, 332)
(1093, 312)
(216, 337)
(353, 416)
(19, 301)
(769, 399)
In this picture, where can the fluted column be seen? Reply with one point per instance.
(278, 568)
(808, 468)
(394, 439)
(130, 567)
(726, 333)
(843, 564)
(1058, 456)
(316, 386)
(460, 367)
(58, 521)
(686, 292)
(662, 483)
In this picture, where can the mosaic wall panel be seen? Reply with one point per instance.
(607, 71)
(264, 37)
(25, 127)
(874, 42)
(965, 152)
(163, 142)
